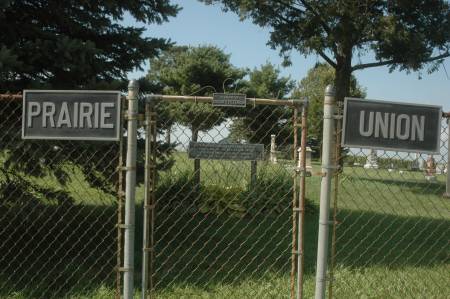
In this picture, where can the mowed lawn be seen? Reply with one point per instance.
(232, 240)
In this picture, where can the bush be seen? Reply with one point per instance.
(271, 194)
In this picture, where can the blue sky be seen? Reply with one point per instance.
(198, 24)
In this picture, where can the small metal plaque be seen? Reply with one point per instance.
(71, 115)
(229, 100)
(226, 151)
(391, 126)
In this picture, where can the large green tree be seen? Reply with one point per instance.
(312, 87)
(67, 44)
(75, 43)
(406, 34)
(193, 70)
(255, 125)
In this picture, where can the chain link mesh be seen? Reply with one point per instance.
(58, 214)
(219, 234)
(392, 224)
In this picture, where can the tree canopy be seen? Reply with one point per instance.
(255, 125)
(75, 44)
(406, 35)
(68, 44)
(194, 70)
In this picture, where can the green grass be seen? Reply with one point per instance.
(232, 240)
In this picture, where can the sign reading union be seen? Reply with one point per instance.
(391, 126)
(71, 115)
(226, 151)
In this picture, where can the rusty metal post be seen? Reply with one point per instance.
(294, 208)
(301, 200)
(149, 201)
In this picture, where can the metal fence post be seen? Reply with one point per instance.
(447, 188)
(301, 202)
(130, 190)
(325, 191)
(149, 199)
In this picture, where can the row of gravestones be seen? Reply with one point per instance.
(274, 152)
(430, 167)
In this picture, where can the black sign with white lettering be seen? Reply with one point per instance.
(229, 100)
(226, 151)
(71, 115)
(391, 126)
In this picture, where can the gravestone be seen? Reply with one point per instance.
(430, 170)
(415, 165)
(273, 149)
(372, 160)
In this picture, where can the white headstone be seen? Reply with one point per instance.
(430, 169)
(372, 160)
(415, 165)
(273, 149)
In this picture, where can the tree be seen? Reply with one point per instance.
(67, 44)
(75, 44)
(406, 35)
(256, 125)
(193, 70)
(313, 87)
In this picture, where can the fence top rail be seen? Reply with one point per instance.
(199, 99)
(19, 97)
(208, 99)
(10, 96)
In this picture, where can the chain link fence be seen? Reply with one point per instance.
(223, 226)
(391, 228)
(218, 226)
(58, 214)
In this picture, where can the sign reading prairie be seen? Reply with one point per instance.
(71, 115)
(226, 151)
(391, 126)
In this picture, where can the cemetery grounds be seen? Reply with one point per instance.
(392, 236)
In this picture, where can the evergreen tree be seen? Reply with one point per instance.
(75, 44)
(255, 125)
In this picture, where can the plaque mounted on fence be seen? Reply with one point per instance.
(71, 115)
(226, 151)
(391, 126)
(229, 100)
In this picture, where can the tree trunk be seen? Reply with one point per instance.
(196, 161)
(343, 74)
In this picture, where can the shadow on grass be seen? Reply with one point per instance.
(57, 251)
(415, 186)
(206, 250)
(54, 251)
(369, 239)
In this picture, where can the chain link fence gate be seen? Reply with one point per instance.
(58, 214)
(391, 231)
(220, 227)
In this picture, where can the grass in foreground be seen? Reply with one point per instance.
(392, 238)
